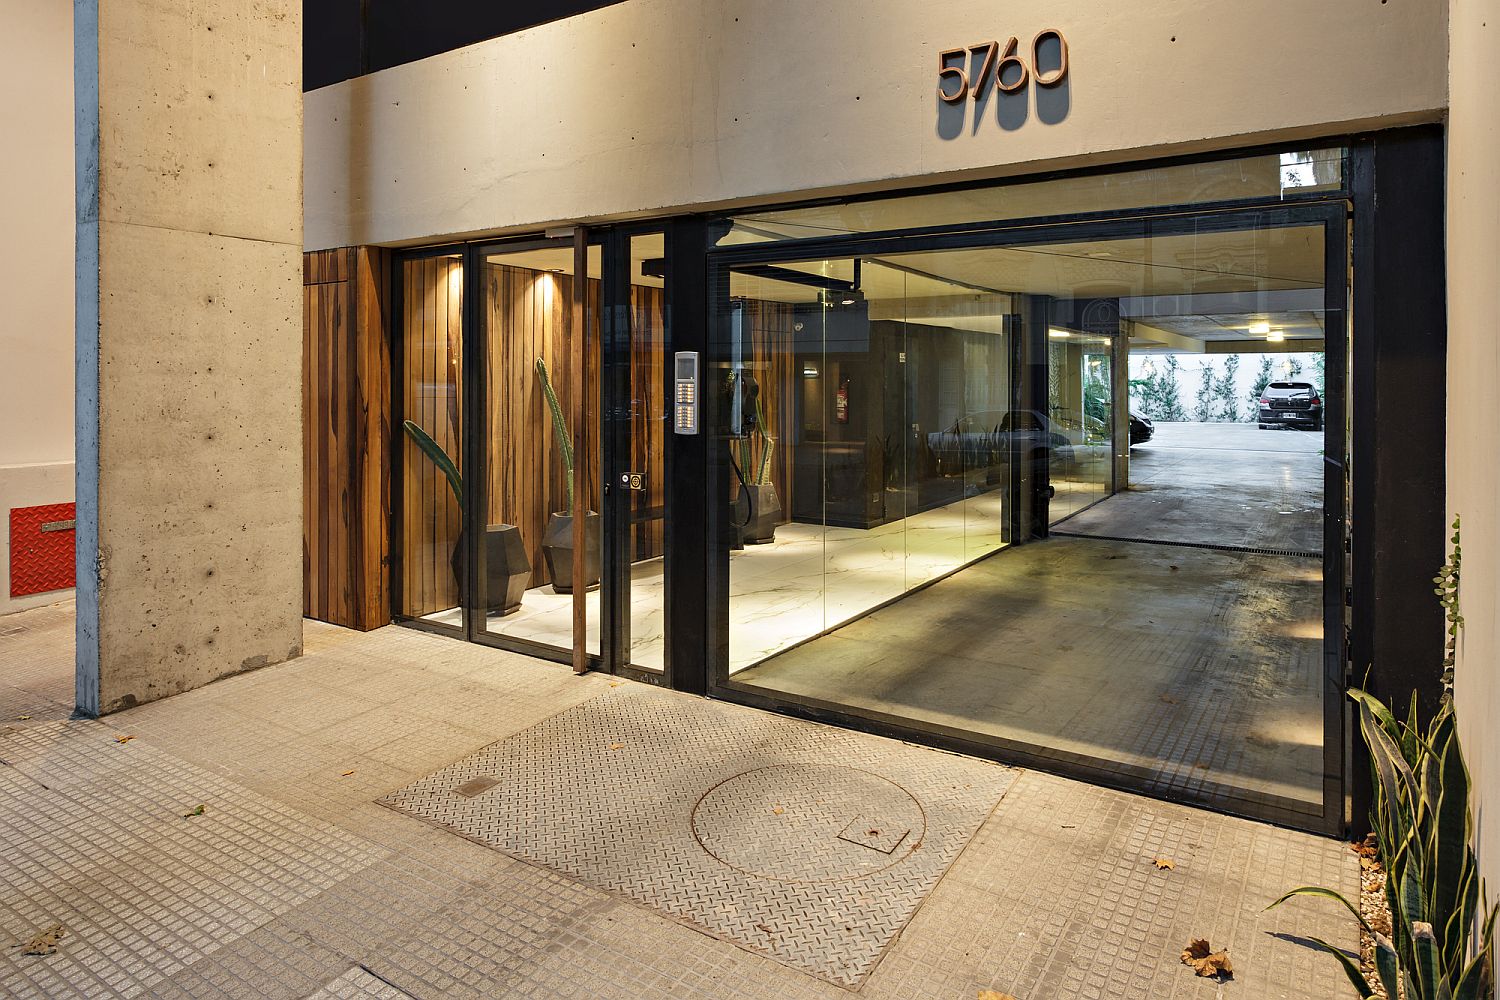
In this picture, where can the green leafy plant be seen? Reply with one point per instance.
(1441, 945)
(559, 427)
(439, 457)
(1263, 378)
(767, 446)
(1447, 593)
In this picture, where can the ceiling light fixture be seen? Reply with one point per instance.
(1059, 334)
(1260, 329)
(1275, 336)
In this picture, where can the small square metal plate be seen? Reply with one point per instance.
(871, 833)
(476, 786)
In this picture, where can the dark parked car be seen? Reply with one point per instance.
(986, 438)
(1291, 403)
(1141, 429)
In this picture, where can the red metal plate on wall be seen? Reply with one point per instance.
(41, 549)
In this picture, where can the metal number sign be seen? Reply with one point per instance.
(1001, 65)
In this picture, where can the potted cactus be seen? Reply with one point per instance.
(557, 540)
(506, 568)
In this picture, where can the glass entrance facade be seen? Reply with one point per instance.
(925, 500)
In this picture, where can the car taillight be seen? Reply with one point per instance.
(1264, 401)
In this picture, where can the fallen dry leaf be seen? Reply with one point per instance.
(1168, 699)
(1165, 864)
(23, 718)
(778, 810)
(617, 746)
(1206, 962)
(45, 943)
(195, 811)
(345, 774)
(994, 995)
(123, 739)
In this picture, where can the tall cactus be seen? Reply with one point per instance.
(559, 426)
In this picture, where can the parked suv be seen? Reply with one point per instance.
(1295, 403)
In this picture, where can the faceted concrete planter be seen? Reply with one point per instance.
(764, 513)
(506, 568)
(557, 549)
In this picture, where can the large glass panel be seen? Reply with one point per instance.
(649, 426)
(1265, 176)
(1080, 404)
(430, 393)
(531, 381)
(1169, 631)
(870, 445)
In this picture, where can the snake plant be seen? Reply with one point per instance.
(559, 427)
(1441, 944)
(439, 457)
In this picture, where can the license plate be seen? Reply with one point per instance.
(1288, 415)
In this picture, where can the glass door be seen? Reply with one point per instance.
(534, 381)
(636, 431)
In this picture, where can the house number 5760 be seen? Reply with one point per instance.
(1002, 65)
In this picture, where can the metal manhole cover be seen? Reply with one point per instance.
(792, 823)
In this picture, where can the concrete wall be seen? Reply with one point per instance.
(655, 104)
(1474, 393)
(36, 267)
(189, 341)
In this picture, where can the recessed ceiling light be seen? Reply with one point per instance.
(1059, 334)
(1275, 336)
(1260, 329)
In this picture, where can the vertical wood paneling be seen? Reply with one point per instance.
(432, 348)
(345, 438)
(529, 315)
(649, 420)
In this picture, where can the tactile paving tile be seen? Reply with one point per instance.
(104, 838)
(357, 984)
(606, 792)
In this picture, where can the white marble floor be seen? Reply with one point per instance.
(810, 579)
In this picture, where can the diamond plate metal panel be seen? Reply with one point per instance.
(41, 549)
(622, 792)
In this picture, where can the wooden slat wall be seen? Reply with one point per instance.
(530, 316)
(346, 458)
(432, 359)
(648, 433)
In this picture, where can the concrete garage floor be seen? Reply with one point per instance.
(1186, 670)
(294, 882)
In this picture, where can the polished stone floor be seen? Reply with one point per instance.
(809, 579)
(1187, 670)
(293, 882)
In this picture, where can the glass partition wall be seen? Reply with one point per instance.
(493, 375)
(911, 420)
(428, 403)
(917, 499)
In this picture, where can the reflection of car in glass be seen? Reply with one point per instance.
(1293, 403)
(989, 437)
(1141, 429)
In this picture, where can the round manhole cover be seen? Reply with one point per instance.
(808, 823)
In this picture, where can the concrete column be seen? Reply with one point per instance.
(189, 343)
(1473, 245)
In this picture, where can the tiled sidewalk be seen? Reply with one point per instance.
(293, 882)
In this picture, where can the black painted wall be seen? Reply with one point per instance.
(342, 39)
(1398, 387)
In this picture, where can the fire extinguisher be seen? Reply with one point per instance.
(841, 402)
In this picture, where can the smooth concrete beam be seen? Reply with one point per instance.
(189, 344)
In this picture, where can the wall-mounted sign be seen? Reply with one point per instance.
(1000, 65)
